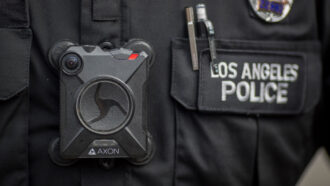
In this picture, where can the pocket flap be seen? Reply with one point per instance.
(14, 61)
(254, 77)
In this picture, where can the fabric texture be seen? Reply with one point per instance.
(194, 147)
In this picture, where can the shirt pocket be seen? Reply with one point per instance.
(217, 115)
(14, 104)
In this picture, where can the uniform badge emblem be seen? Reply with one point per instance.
(271, 10)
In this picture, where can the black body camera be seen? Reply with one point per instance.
(103, 108)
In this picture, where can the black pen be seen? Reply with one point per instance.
(206, 29)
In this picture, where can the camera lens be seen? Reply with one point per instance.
(71, 63)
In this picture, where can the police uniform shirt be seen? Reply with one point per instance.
(251, 124)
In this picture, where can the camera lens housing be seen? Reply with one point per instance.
(103, 102)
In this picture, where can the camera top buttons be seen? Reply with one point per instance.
(89, 48)
(121, 54)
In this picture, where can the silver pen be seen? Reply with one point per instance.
(192, 37)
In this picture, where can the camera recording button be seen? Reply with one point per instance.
(133, 56)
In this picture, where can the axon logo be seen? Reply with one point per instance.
(92, 152)
(256, 82)
(104, 151)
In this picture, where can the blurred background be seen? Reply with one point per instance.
(318, 171)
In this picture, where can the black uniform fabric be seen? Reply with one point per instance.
(13, 14)
(322, 126)
(195, 145)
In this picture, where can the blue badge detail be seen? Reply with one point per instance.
(271, 10)
(275, 6)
